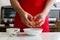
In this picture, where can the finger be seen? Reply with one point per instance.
(37, 16)
(27, 24)
(28, 15)
(31, 17)
(41, 23)
(32, 25)
(29, 20)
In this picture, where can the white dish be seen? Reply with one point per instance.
(32, 31)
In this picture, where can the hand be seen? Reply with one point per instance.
(25, 20)
(41, 19)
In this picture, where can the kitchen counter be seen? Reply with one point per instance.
(22, 36)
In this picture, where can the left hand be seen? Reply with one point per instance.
(41, 19)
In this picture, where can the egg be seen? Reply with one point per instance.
(33, 23)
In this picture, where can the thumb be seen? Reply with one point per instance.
(35, 17)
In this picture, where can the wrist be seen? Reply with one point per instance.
(43, 14)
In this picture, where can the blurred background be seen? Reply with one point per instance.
(7, 14)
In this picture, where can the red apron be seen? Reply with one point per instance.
(33, 7)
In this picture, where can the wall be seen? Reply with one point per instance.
(57, 0)
(5, 2)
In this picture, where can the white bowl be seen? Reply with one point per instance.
(12, 31)
(32, 31)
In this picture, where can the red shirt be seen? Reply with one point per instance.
(34, 7)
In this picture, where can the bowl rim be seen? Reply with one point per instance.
(12, 29)
(32, 28)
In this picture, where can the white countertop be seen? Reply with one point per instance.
(42, 36)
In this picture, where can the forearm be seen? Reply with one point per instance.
(47, 8)
(15, 4)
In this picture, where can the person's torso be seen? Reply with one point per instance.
(33, 6)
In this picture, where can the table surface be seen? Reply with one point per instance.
(22, 36)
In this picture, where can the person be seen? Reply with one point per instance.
(32, 13)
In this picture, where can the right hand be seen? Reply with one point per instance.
(25, 20)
